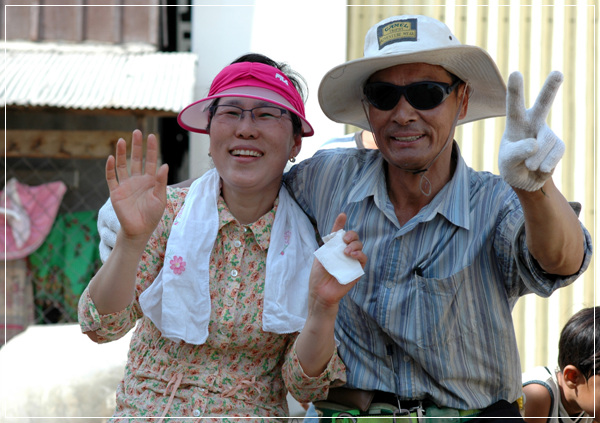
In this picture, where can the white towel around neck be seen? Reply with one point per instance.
(179, 304)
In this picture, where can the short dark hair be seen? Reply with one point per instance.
(295, 77)
(576, 344)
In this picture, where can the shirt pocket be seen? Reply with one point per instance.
(444, 310)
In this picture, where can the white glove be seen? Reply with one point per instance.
(108, 227)
(529, 150)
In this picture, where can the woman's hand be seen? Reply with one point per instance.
(139, 199)
(315, 344)
(325, 291)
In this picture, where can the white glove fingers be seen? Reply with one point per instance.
(515, 101)
(104, 252)
(108, 239)
(551, 150)
(548, 165)
(108, 227)
(546, 141)
(529, 150)
(553, 157)
(534, 162)
(519, 151)
(545, 98)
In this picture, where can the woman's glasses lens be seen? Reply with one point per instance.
(262, 115)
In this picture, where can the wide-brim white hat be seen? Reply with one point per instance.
(413, 39)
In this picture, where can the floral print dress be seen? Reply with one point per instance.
(240, 370)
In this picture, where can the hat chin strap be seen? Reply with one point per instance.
(425, 182)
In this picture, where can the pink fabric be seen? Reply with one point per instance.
(246, 79)
(40, 204)
(174, 385)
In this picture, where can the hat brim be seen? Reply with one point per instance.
(195, 117)
(340, 92)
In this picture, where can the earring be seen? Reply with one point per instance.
(209, 155)
(292, 160)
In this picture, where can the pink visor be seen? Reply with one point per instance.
(246, 79)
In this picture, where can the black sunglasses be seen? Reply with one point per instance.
(420, 95)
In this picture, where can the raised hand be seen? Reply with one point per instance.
(325, 290)
(139, 199)
(316, 342)
(529, 150)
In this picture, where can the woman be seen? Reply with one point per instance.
(217, 274)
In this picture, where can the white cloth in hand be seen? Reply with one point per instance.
(331, 255)
(529, 150)
(108, 228)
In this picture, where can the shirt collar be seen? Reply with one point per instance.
(261, 229)
(369, 180)
(451, 202)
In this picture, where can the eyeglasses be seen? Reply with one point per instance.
(263, 115)
(424, 95)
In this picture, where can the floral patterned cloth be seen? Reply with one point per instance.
(240, 370)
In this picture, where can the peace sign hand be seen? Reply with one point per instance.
(529, 150)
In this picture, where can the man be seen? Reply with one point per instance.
(428, 329)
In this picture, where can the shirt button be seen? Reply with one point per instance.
(406, 359)
(196, 413)
(234, 273)
(237, 243)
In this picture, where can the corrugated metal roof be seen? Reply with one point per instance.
(83, 76)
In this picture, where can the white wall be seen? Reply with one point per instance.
(310, 36)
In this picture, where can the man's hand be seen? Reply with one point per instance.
(108, 228)
(529, 150)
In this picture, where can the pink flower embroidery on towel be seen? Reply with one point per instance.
(286, 240)
(177, 218)
(177, 265)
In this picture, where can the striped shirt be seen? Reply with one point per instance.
(431, 317)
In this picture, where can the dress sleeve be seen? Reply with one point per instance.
(113, 326)
(310, 389)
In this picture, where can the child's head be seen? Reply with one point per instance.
(579, 359)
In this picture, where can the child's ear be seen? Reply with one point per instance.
(572, 376)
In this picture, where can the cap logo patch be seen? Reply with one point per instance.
(397, 31)
(278, 76)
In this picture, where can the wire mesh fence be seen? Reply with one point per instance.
(50, 238)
